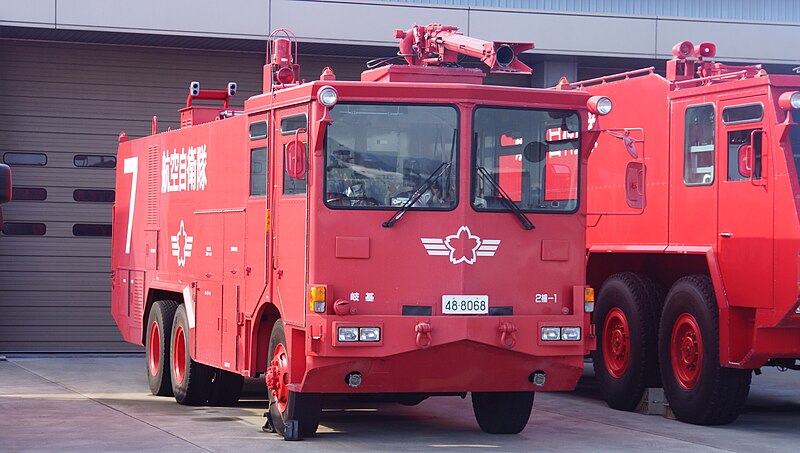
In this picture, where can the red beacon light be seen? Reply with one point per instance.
(281, 69)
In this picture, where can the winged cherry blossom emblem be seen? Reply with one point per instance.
(461, 247)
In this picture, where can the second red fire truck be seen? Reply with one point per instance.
(406, 235)
(701, 287)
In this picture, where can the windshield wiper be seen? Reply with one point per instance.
(418, 192)
(510, 204)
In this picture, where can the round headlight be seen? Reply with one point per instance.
(327, 96)
(790, 100)
(599, 105)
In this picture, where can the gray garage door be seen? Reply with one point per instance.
(62, 106)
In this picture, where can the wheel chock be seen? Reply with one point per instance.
(653, 402)
(268, 427)
(291, 430)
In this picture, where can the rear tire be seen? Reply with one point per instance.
(285, 404)
(626, 359)
(157, 346)
(502, 412)
(698, 389)
(191, 381)
(226, 388)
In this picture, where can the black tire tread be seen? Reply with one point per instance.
(306, 408)
(502, 412)
(655, 301)
(163, 386)
(627, 395)
(197, 380)
(730, 386)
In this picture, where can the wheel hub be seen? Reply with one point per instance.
(616, 343)
(687, 351)
(179, 355)
(278, 377)
(155, 349)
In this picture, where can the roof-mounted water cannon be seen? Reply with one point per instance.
(281, 69)
(439, 45)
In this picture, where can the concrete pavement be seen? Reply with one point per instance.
(102, 403)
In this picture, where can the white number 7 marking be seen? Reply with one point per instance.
(131, 166)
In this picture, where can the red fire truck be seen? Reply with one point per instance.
(700, 289)
(400, 235)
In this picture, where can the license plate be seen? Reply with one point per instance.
(465, 305)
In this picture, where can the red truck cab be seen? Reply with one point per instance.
(396, 235)
(703, 283)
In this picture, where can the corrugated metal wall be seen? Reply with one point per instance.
(65, 100)
(735, 10)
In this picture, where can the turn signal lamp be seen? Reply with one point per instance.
(790, 100)
(599, 105)
(588, 300)
(316, 299)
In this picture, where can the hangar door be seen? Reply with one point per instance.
(63, 106)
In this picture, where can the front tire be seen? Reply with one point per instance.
(626, 359)
(191, 380)
(157, 346)
(698, 389)
(284, 404)
(502, 412)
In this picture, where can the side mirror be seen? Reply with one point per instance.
(745, 159)
(296, 158)
(635, 174)
(5, 183)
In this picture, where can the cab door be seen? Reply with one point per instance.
(745, 209)
(694, 173)
(290, 219)
(257, 226)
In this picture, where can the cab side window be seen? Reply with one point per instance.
(698, 167)
(258, 172)
(744, 146)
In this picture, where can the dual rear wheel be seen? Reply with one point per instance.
(170, 369)
(641, 345)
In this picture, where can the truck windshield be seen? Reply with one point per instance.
(378, 155)
(530, 155)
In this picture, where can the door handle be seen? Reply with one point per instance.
(725, 234)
